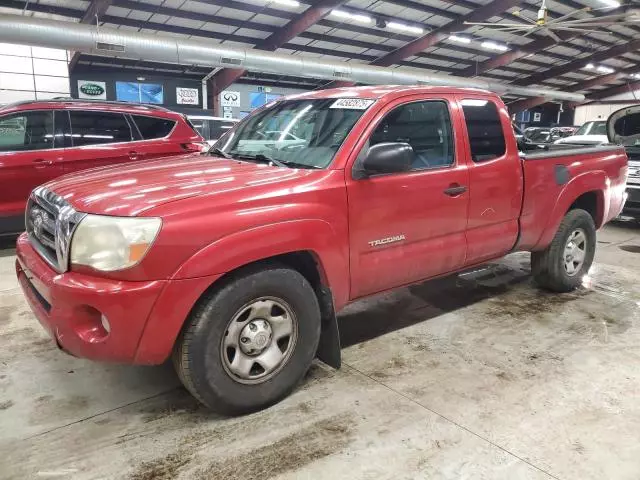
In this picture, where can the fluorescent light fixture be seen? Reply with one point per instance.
(401, 27)
(456, 38)
(351, 16)
(610, 3)
(494, 46)
(589, 66)
(603, 69)
(635, 76)
(287, 3)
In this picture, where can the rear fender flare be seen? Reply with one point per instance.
(595, 181)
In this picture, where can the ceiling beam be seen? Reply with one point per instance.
(480, 14)
(415, 47)
(95, 10)
(511, 56)
(226, 76)
(610, 92)
(597, 57)
(521, 105)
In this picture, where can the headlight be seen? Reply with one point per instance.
(112, 243)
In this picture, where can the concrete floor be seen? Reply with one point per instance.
(480, 376)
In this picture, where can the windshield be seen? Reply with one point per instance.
(306, 133)
(592, 128)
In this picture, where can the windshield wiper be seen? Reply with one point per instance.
(259, 158)
(217, 151)
(289, 163)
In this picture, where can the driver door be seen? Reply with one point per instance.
(409, 226)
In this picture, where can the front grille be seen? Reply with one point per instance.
(50, 222)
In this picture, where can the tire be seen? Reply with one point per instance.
(205, 361)
(549, 266)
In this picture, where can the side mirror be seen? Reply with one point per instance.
(390, 157)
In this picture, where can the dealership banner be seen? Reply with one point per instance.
(92, 90)
(187, 96)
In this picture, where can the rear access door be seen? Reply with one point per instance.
(495, 178)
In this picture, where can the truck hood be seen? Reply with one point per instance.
(623, 126)
(132, 189)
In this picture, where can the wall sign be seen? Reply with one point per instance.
(92, 90)
(230, 98)
(537, 116)
(187, 96)
(227, 112)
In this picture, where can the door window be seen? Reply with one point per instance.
(26, 131)
(426, 126)
(486, 136)
(92, 128)
(153, 127)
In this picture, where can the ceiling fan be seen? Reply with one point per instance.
(566, 23)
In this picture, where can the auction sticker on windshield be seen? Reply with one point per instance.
(352, 103)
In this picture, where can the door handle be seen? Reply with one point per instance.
(133, 155)
(42, 163)
(455, 190)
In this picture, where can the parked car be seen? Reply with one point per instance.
(42, 140)
(591, 133)
(211, 128)
(623, 128)
(235, 263)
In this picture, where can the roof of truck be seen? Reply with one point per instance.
(381, 91)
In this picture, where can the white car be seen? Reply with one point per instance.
(591, 133)
(211, 128)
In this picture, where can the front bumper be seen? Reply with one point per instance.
(104, 319)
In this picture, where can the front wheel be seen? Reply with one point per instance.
(249, 343)
(563, 264)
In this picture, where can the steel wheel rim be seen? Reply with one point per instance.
(259, 340)
(575, 251)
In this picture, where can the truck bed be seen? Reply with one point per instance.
(554, 179)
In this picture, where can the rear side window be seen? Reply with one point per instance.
(26, 131)
(93, 128)
(486, 136)
(153, 127)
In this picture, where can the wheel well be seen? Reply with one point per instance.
(589, 202)
(304, 262)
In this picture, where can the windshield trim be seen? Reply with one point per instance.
(316, 135)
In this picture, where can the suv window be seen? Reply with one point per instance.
(26, 131)
(485, 129)
(92, 128)
(425, 126)
(153, 127)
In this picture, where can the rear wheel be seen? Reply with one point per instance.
(563, 264)
(249, 343)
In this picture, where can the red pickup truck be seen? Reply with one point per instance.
(236, 262)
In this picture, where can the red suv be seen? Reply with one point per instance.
(41, 140)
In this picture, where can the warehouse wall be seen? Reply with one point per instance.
(598, 111)
(110, 76)
(246, 91)
(32, 73)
